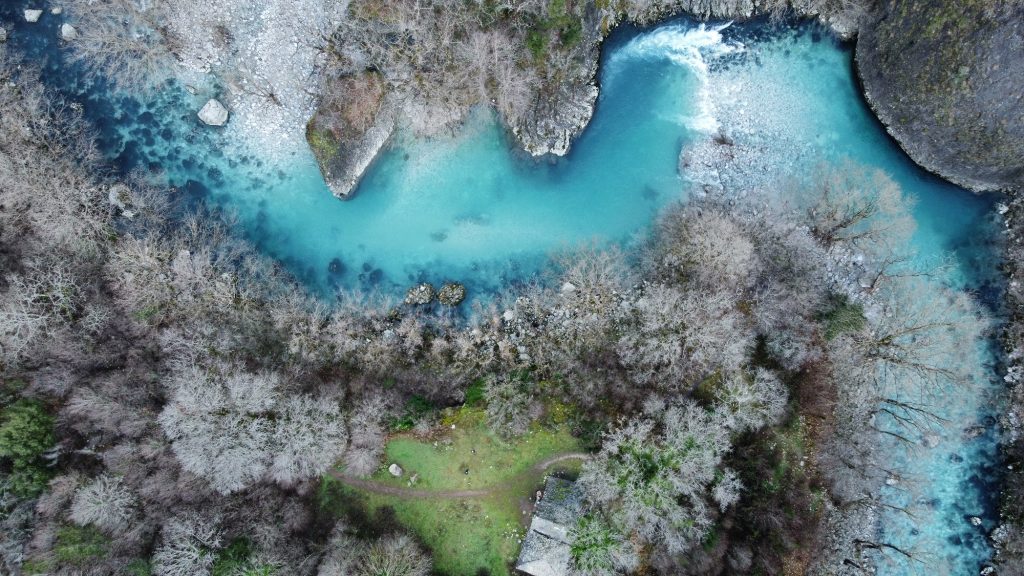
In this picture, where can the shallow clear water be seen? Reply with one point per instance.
(796, 97)
(470, 208)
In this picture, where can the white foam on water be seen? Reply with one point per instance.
(691, 47)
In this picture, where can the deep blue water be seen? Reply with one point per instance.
(470, 208)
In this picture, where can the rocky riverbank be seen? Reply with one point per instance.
(945, 78)
(1008, 538)
(537, 69)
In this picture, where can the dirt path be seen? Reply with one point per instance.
(378, 488)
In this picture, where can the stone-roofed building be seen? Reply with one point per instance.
(546, 547)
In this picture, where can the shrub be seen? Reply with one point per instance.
(537, 43)
(77, 545)
(844, 317)
(237, 559)
(26, 432)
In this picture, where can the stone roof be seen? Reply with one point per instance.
(546, 546)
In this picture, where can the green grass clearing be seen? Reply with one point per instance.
(467, 537)
(442, 461)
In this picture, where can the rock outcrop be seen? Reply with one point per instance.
(213, 113)
(353, 123)
(550, 126)
(420, 295)
(562, 109)
(451, 294)
(945, 77)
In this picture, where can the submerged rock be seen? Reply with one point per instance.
(972, 432)
(451, 294)
(420, 295)
(945, 78)
(33, 15)
(68, 32)
(214, 113)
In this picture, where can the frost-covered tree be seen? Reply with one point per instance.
(125, 41)
(235, 428)
(703, 244)
(671, 338)
(105, 503)
(652, 476)
(188, 547)
(751, 401)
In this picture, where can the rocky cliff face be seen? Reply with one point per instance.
(545, 99)
(946, 78)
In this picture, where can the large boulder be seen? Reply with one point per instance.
(33, 15)
(420, 295)
(214, 113)
(451, 294)
(68, 32)
(945, 77)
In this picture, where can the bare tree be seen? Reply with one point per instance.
(394, 555)
(235, 428)
(862, 208)
(511, 404)
(366, 436)
(46, 296)
(105, 503)
(188, 547)
(673, 338)
(752, 401)
(124, 41)
(703, 244)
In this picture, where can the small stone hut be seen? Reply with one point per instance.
(546, 547)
